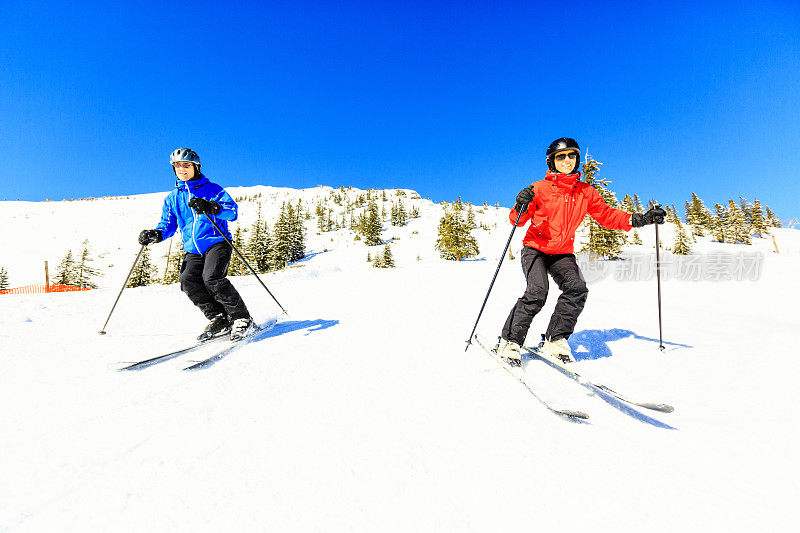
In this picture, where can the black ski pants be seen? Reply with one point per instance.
(565, 272)
(203, 279)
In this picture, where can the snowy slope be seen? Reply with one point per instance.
(362, 412)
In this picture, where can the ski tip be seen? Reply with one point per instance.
(120, 365)
(573, 414)
(664, 408)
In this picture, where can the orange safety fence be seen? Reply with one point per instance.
(41, 287)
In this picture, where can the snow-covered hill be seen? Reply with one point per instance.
(362, 412)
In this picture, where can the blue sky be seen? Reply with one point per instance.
(448, 98)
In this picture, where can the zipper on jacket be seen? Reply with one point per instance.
(194, 219)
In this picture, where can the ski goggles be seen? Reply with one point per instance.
(571, 155)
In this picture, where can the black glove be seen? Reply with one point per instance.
(202, 206)
(654, 215)
(148, 236)
(524, 197)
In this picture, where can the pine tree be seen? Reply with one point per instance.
(65, 272)
(455, 241)
(603, 242)
(237, 267)
(172, 273)
(681, 246)
(144, 273)
(772, 219)
(399, 216)
(758, 223)
(281, 239)
(627, 204)
(259, 247)
(719, 226)
(84, 271)
(371, 226)
(637, 204)
(297, 234)
(672, 215)
(636, 239)
(471, 225)
(3, 279)
(322, 223)
(388, 260)
(737, 224)
(698, 217)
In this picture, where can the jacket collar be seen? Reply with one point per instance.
(192, 184)
(564, 181)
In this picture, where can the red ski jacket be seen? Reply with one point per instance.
(559, 204)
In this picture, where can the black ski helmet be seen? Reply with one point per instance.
(185, 154)
(559, 145)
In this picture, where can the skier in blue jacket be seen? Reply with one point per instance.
(205, 263)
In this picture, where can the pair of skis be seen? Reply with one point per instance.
(229, 347)
(606, 393)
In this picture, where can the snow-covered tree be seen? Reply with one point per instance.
(65, 271)
(698, 216)
(288, 238)
(297, 243)
(237, 267)
(3, 279)
(736, 224)
(84, 271)
(144, 273)
(281, 238)
(399, 215)
(758, 223)
(370, 225)
(174, 258)
(385, 259)
(603, 242)
(388, 259)
(471, 217)
(637, 204)
(719, 225)
(672, 215)
(627, 204)
(773, 219)
(455, 240)
(682, 246)
(259, 247)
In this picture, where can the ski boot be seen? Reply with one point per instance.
(218, 324)
(510, 351)
(241, 327)
(558, 349)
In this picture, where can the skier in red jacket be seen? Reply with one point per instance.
(555, 207)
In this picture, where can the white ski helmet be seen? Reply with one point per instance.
(184, 154)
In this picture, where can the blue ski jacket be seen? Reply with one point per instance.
(197, 232)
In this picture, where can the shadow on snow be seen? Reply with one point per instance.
(281, 328)
(593, 343)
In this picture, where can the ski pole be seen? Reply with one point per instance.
(245, 262)
(658, 280)
(103, 330)
(502, 257)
